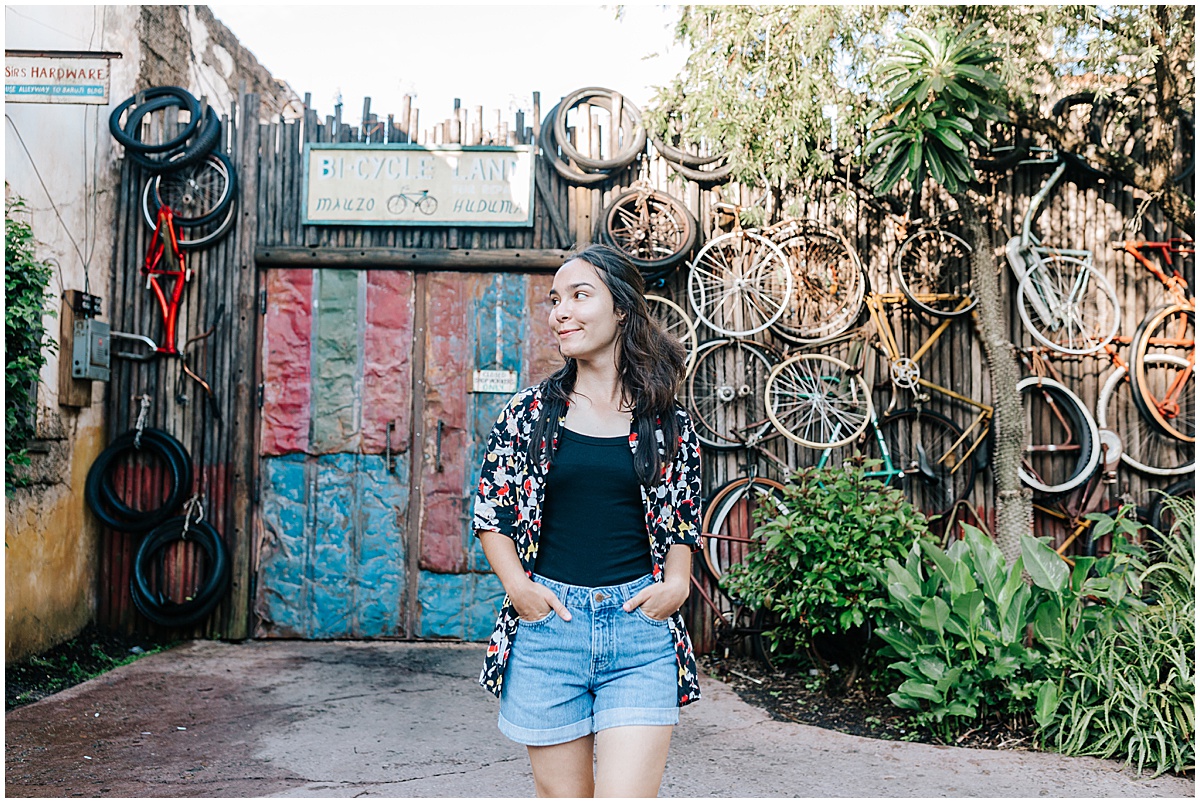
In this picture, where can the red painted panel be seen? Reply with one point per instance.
(541, 354)
(287, 362)
(387, 361)
(448, 357)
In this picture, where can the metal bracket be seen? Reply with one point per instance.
(133, 355)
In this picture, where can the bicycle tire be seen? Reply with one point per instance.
(828, 284)
(162, 96)
(193, 238)
(1066, 331)
(599, 96)
(189, 191)
(1174, 420)
(739, 284)
(550, 147)
(1160, 513)
(818, 401)
(655, 242)
(719, 175)
(171, 448)
(203, 144)
(730, 513)
(676, 323)
(681, 157)
(427, 205)
(153, 603)
(99, 489)
(934, 478)
(727, 392)
(1049, 479)
(1144, 447)
(933, 269)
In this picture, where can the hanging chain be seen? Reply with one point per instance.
(141, 420)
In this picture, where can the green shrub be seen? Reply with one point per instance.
(26, 304)
(814, 569)
(959, 622)
(1130, 692)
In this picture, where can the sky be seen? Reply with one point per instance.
(493, 56)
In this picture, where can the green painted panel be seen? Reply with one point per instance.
(337, 367)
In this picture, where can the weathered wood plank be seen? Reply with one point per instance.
(425, 258)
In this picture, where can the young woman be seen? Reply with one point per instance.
(588, 511)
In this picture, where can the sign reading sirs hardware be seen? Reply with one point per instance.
(417, 185)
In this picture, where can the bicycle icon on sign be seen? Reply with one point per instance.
(422, 201)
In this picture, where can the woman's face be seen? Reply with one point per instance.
(583, 317)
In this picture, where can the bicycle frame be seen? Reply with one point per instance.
(169, 307)
(905, 373)
(1176, 285)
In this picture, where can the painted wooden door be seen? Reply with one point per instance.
(371, 442)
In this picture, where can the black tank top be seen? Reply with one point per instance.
(593, 520)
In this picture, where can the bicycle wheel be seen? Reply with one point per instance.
(194, 237)
(931, 455)
(1164, 392)
(739, 284)
(827, 284)
(397, 204)
(198, 194)
(655, 231)
(730, 517)
(1068, 305)
(1143, 447)
(1062, 452)
(818, 401)
(727, 392)
(676, 323)
(427, 205)
(933, 268)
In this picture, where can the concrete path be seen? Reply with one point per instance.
(359, 719)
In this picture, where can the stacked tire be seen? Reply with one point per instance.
(188, 171)
(159, 526)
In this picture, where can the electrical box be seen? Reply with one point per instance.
(92, 350)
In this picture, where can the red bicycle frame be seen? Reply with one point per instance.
(153, 268)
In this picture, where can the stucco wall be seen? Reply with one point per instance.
(71, 172)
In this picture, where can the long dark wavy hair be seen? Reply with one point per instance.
(650, 364)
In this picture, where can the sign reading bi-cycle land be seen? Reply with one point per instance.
(417, 185)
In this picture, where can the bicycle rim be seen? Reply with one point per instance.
(731, 514)
(653, 229)
(933, 269)
(827, 285)
(1163, 393)
(1162, 517)
(1068, 305)
(727, 392)
(1063, 451)
(198, 194)
(676, 323)
(739, 284)
(818, 401)
(931, 455)
(1143, 447)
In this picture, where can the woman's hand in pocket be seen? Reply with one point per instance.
(534, 601)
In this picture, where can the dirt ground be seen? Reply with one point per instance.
(357, 719)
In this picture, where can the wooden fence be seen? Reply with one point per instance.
(224, 296)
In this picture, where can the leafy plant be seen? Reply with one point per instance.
(26, 299)
(959, 622)
(814, 568)
(1130, 691)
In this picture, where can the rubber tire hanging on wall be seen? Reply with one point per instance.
(152, 602)
(100, 492)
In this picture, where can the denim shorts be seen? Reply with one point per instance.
(605, 668)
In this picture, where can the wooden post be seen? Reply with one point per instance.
(414, 118)
(72, 392)
(366, 119)
(614, 125)
(477, 125)
(408, 126)
(537, 114)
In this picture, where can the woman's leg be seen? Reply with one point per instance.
(630, 760)
(564, 770)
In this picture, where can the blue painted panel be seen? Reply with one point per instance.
(284, 553)
(379, 591)
(498, 328)
(458, 605)
(331, 565)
